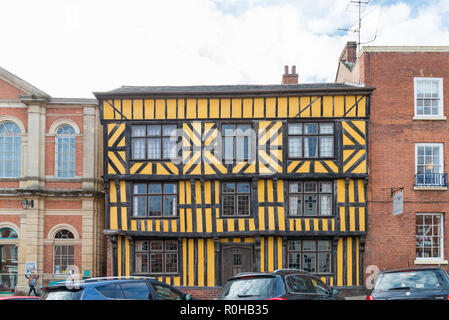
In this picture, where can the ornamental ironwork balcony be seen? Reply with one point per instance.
(431, 180)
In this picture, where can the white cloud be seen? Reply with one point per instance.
(71, 48)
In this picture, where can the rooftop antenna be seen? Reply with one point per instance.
(359, 3)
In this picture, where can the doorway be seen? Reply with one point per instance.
(236, 259)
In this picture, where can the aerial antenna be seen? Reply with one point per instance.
(359, 3)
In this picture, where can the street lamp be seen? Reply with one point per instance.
(27, 204)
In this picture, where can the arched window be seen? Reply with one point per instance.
(10, 150)
(65, 152)
(64, 254)
(7, 233)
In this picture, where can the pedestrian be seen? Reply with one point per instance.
(32, 282)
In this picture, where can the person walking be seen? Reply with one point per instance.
(32, 282)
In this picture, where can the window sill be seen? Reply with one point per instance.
(430, 261)
(430, 188)
(436, 118)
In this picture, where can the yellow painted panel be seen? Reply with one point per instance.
(191, 109)
(230, 225)
(290, 223)
(188, 192)
(207, 192)
(123, 191)
(304, 104)
(165, 225)
(331, 164)
(258, 108)
(108, 111)
(352, 219)
(137, 109)
(174, 226)
(210, 263)
(339, 106)
(350, 106)
(361, 168)
(319, 168)
(316, 107)
(214, 108)
(158, 225)
(327, 106)
(349, 261)
(342, 219)
(357, 261)
(237, 108)
(184, 261)
(198, 192)
(307, 224)
(362, 108)
(150, 225)
(236, 240)
(271, 225)
(200, 274)
(113, 218)
(261, 218)
(176, 281)
(202, 108)
(270, 104)
(225, 108)
(160, 109)
(282, 107)
(340, 262)
(341, 190)
(298, 225)
(181, 192)
(353, 160)
(217, 194)
(191, 274)
(325, 228)
(219, 224)
(270, 247)
(112, 191)
(171, 108)
(118, 106)
(116, 134)
(199, 220)
(351, 191)
(247, 108)
(241, 224)
(149, 109)
(305, 168)
(353, 133)
(261, 190)
(270, 190)
(189, 220)
(127, 108)
(361, 125)
(252, 225)
(293, 106)
(124, 217)
(315, 225)
(208, 220)
(181, 108)
(361, 219)
(291, 166)
(133, 225)
(281, 218)
(172, 167)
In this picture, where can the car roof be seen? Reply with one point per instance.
(93, 282)
(411, 269)
(279, 272)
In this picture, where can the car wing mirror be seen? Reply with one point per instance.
(188, 297)
(334, 291)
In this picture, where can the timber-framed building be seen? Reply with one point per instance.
(203, 182)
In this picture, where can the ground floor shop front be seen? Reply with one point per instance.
(206, 263)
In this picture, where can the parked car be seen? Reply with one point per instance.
(283, 284)
(114, 288)
(411, 284)
(20, 298)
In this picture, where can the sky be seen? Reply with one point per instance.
(71, 48)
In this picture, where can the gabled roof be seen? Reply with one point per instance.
(20, 83)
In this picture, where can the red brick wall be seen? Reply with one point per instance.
(74, 221)
(8, 91)
(202, 293)
(392, 137)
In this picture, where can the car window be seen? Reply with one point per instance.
(248, 287)
(112, 291)
(299, 284)
(428, 279)
(319, 286)
(135, 290)
(164, 292)
(62, 295)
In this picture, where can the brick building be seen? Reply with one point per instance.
(409, 149)
(51, 198)
(204, 182)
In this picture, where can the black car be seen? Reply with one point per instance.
(411, 284)
(284, 284)
(114, 288)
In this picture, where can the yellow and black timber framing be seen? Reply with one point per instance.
(200, 229)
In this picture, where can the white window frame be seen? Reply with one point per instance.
(440, 115)
(422, 144)
(433, 260)
(57, 154)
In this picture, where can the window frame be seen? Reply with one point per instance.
(147, 137)
(164, 253)
(316, 251)
(68, 139)
(317, 193)
(235, 136)
(440, 98)
(162, 194)
(432, 144)
(235, 194)
(61, 244)
(318, 135)
(440, 236)
(17, 161)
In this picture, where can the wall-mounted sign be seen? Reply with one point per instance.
(398, 202)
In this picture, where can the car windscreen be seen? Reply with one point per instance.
(413, 280)
(62, 294)
(249, 287)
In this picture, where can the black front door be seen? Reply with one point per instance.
(236, 259)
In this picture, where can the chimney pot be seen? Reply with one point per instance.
(293, 69)
(286, 70)
(290, 78)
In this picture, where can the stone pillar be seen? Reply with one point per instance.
(90, 152)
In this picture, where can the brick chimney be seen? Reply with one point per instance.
(349, 53)
(290, 78)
